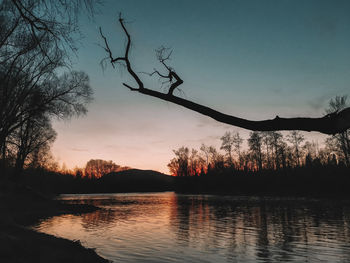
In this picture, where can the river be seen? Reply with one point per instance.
(169, 227)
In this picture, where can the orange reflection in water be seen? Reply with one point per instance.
(170, 227)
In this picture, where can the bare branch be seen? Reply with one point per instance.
(177, 83)
(108, 50)
(126, 56)
(129, 87)
(155, 72)
(336, 122)
(163, 54)
(329, 124)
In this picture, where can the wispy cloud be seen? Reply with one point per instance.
(78, 150)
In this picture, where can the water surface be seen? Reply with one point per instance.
(168, 227)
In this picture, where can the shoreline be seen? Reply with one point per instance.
(22, 208)
(21, 244)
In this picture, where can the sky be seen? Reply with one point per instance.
(252, 59)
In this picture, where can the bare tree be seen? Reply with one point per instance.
(332, 123)
(30, 140)
(296, 138)
(255, 145)
(196, 163)
(96, 168)
(237, 142)
(340, 142)
(37, 38)
(28, 25)
(227, 143)
(205, 150)
(179, 166)
(276, 142)
(62, 97)
(266, 138)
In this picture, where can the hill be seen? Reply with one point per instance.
(136, 180)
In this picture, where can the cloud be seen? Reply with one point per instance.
(78, 150)
(126, 148)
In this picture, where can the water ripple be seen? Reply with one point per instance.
(166, 227)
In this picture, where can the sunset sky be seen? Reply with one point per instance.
(252, 59)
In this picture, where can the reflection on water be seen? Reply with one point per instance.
(166, 227)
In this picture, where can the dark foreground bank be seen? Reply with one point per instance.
(19, 244)
(20, 207)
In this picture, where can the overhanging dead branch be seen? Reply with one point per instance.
(336, 122)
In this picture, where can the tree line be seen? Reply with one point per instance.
(37, 82)
(267, 150)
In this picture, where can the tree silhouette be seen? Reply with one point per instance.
(296, 138)
(341, 141)
(255, 146)
(96, 168)
(31, 139)
(279, 157)
(36, 41)
(237, 143)
(205, 149)
(333, 123)
(227, 143)
(179, 165)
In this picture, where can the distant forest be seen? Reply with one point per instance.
(267, 151)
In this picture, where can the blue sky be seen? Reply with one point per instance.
(252, 59)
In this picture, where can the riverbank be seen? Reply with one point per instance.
(21, 207)
(302, 182)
